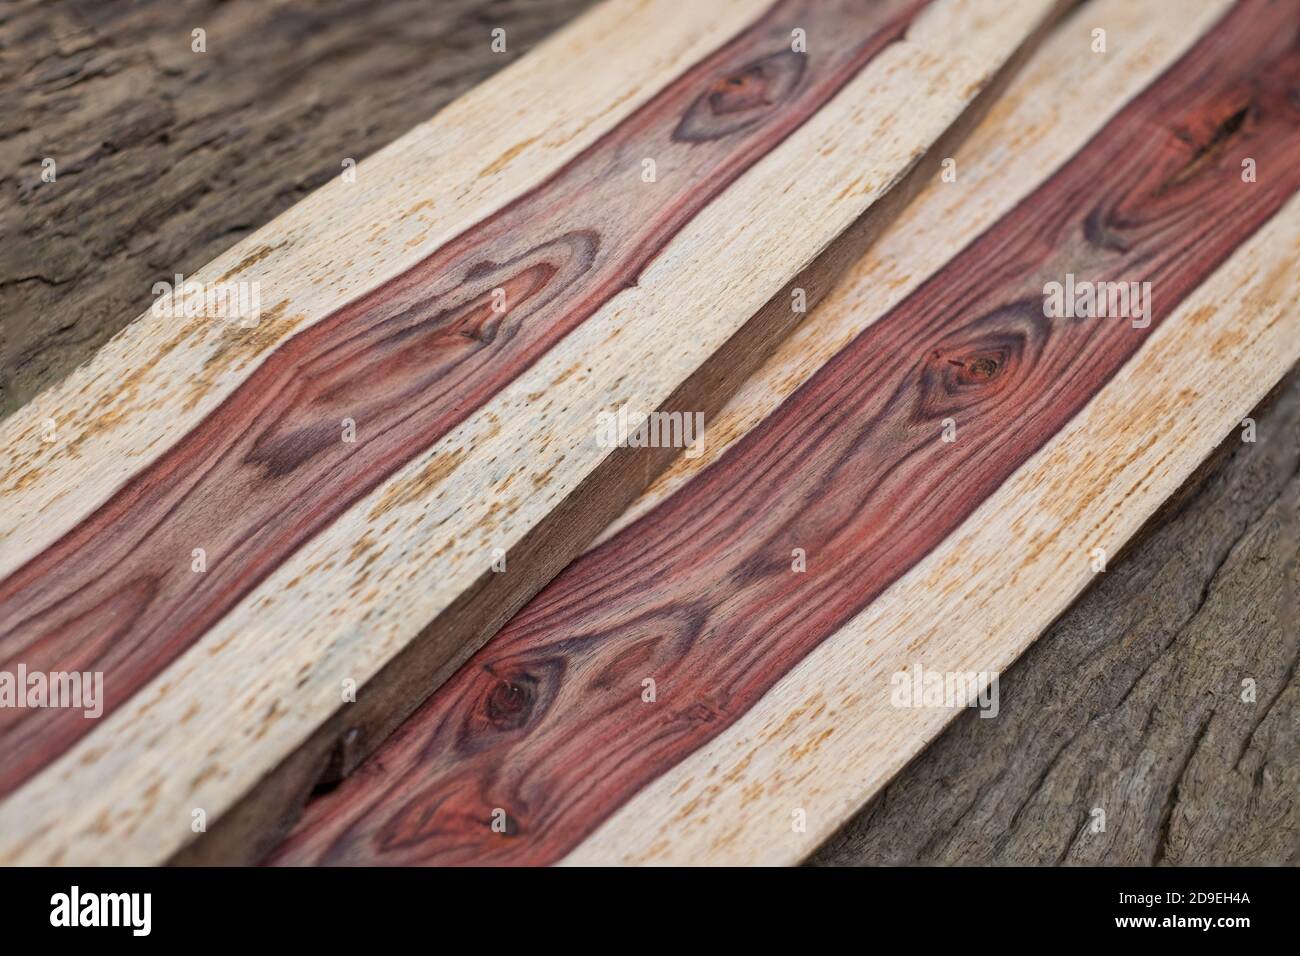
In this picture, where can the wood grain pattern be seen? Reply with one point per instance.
(276, 719)
(409, 360)
(1155, 730)
(239, 135)
(827, 737)
(548, 722)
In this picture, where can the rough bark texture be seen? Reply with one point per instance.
(1132, 701)
(166, 157)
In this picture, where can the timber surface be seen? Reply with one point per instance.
(391, 596)
(411, 359)
(175, 158)
(1132, 701)
(699, 592)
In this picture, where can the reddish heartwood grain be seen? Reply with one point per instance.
(406, 362)
(546, 722)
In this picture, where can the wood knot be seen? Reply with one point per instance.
(981, 367)
(511, 695)
(510, 702)
(742, 98)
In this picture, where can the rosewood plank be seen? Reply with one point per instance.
(242, 459)
(409, 360)
(547, 724)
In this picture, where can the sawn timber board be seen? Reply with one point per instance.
(772, 686)
(466, 304)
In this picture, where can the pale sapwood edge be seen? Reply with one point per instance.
(979, 600)
(263, 658)
(1049, 111)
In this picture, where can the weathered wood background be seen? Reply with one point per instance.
(166, 158)
(1131, 703)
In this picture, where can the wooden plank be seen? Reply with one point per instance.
(764, 674)
(271, 148)
(165, 157)
(408, 360)
(1242, 335)
(1157, 729)
(228, 440)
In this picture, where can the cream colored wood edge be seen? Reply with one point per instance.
(258, 683)
(826, 738)
(159, 377)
